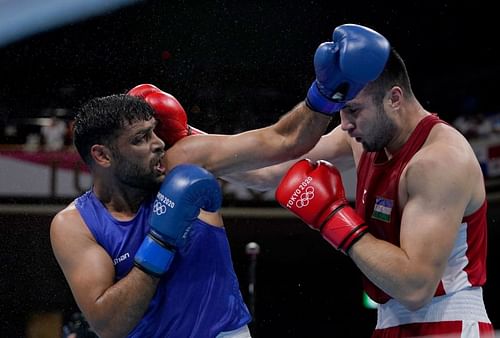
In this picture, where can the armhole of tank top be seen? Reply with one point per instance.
(478, 211)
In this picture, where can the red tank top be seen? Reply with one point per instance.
(377, 201)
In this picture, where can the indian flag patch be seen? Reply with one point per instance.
(382, 209)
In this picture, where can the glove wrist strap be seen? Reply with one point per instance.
(343, 228)
(154, 256)
(318, 102)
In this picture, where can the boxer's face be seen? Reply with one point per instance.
(137, 156)
(367, 122)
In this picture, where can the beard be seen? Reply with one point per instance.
(136, 175)
(381, 133)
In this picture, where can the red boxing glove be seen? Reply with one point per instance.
(171, 116)
(143, 90)
(314, 192)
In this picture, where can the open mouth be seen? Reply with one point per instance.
(159, 167)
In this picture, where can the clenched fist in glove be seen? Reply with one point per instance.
(186, 189)
(355, 56)
(314, 192)
(171, 116)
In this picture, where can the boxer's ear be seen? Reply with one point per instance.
(101, 155)
(395, 96)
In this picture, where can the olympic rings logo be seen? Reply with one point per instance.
(159, 208)
(302, 195)
(305, 197)
(161, 204)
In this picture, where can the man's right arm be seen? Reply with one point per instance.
(112, 309)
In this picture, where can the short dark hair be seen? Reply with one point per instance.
(100, 120)
(394, 74)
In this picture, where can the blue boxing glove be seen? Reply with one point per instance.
(184, 191)
(356, 56)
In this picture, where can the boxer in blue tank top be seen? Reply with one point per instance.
(133, 270)
(198, 297)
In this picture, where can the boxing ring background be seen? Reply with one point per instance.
(235, 66)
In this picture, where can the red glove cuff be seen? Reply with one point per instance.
(343, 228)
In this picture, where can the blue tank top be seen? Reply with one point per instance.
(199, 296)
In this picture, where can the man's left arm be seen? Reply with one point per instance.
(291, 136)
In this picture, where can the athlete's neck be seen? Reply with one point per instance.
(409, 118)
(121, 203)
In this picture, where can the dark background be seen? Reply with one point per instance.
(243, 64)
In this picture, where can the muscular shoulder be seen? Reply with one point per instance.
(67, 215)
(446, 145)
(68, 223)
(446, 166)
(448, 150)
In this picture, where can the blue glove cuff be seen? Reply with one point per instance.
(320, 103)
(153, 257)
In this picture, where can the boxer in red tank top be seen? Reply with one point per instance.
(418, 232)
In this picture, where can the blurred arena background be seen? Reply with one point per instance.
(234, 66)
